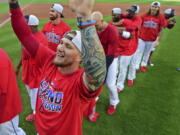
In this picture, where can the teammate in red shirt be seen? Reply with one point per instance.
(10, 100)
(128, 41)
(108, 36)
(64, 86)
(152, 23)
(30, 72)
(171, 21)
(56, 28)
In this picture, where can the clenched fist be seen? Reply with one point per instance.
(82, 7)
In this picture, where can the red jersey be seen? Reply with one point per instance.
(54, 33)
(128, 46)
(151, 26)
(10, 101)
(30, 72)
(60, 97)
(109, 40)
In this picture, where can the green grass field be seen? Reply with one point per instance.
(151, 107)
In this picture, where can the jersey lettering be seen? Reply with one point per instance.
(53, 38)
(150, 24)
(51, 100)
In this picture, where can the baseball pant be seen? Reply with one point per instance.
(124, 62)
(132, 68)
(33, 96)
(111, 82)
(143, 52)
(11, 127)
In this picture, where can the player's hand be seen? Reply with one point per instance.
(171, 21)
(121, 29)
(82, 7)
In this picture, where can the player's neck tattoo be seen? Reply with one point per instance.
(93, 58)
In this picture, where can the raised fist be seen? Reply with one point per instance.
(82, 7)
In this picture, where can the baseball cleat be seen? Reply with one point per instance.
(130, 83)
(30, 117)
(111, 110)
(118, 90)
(143, 69)
(94, 118)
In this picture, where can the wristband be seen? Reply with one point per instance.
(86, 24)
(14, 5)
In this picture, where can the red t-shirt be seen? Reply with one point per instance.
(128, 46)
(54, 33)
(151, 26)
(30, 72)
(58, 108)
(109, 40)
(10, 101)
(60, 97)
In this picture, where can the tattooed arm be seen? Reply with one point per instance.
(93, 59)
(93, 56)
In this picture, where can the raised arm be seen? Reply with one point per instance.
(21, 28)
(93, 56)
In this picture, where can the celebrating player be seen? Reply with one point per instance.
(56, 28)
(108, 36)
(152, 23)
(10, 101)
(128, 41)
(64, 86)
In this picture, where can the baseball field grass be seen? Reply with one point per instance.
(151, 107)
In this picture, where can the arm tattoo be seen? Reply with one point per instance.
(93, 58)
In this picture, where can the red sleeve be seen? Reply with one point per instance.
(26, 37)
(163, 21)
(23, 32)
(113, 42)
(3, 79)
(43, 55)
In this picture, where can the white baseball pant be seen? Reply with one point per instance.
(124, 62)
(11, 127)
(111, 82)
(143, 52)
(33, 96)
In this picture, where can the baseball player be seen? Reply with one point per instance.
(128, 42)
(55, 28)
(108, 36)
(169, 16)
(64, 85)
(30, 71)
(171, 21)
(10, 100)
(152, 23)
